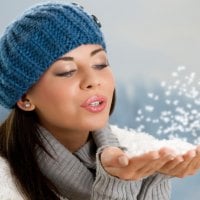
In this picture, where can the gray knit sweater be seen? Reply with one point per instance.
(80, 175)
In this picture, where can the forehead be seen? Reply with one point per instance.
(85, 49)
(81, 53)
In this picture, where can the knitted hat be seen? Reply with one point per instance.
(35, 40)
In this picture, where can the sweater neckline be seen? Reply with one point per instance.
(73, 174)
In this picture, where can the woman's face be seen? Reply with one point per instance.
(75, 93)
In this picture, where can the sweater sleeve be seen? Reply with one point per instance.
(109, 187)
(155, 187)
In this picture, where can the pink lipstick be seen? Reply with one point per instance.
(95, 104)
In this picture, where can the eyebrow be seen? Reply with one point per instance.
(96, 51)
(69, 58)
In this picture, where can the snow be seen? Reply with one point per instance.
(179, 102)
(139, 142)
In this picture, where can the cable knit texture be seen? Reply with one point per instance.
(36, 39)
(81, 175)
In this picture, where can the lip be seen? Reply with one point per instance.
(95, 103)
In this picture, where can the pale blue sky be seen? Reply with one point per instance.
(147, 40)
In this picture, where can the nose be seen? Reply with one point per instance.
(90, 80)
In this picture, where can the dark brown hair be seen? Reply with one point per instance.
(19, 136)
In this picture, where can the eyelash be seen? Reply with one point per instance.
(100, 66)
(70, 73)
(67, 74)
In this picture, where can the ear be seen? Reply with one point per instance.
(25, 104)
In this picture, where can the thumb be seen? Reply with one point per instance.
(114, 157)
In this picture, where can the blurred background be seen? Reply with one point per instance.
(147, 41)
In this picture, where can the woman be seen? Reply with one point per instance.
(56, 143)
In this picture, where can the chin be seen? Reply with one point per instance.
(96, 126)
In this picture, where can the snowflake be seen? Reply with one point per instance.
(177, 107)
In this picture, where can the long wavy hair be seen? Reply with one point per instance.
(19, 137)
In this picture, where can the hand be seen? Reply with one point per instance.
(185, 165)
(118, 164)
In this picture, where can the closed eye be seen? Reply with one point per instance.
(100, 66)
(67, 74)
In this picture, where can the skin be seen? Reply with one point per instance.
(70, 81)
(118, 164)
(58, 95)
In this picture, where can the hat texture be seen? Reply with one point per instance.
(36, 39)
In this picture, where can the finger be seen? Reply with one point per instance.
(195, 163)
(150, 162)
(156, 164)
(171, 165)
(198, 153)
(190, 154)
(166, 151)
(182, 169)
(188, 157)
(130, 171)
(198, 149)
(123, 160)
(139, 162)
(114, 157)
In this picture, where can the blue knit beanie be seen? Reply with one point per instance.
(35, 40)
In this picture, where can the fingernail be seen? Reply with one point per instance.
(180, 159)
(156, 156)
(171, 157)
(193, 154)
(123, 161)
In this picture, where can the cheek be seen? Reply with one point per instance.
(109, 80)
(52, 94)
(51, 101)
